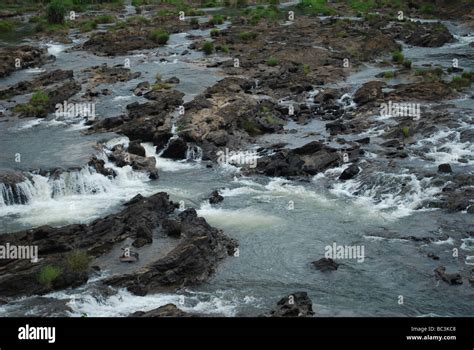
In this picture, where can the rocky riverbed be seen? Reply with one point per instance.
(233, 155)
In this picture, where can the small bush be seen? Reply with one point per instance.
(222, 48)
(460, 82)
(39, 98)
(56, 11)
(389, 74)
(406, 131)
(48, 275)
(272, 62)
(217, 19)
(306, 69)
(6, 26)
(159, 36)
(407, 64)
(208, 47)
(247, 36)
(77, 261)
(87, 26)
(103, 19)
(194, 21)
(397, 57)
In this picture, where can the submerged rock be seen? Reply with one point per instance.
(350, 172)
(168, 310)
(325, 264)
(450, 278)
(297, 304)
(215, 197)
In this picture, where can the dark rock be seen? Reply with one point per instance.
(325, 264)
(350, 172)
(135, 147)
(176, 149)
(171, 228)
(168, 310)
(369, 92)
(215, 197)
(450, 278)
(297, 304)
(445, 168)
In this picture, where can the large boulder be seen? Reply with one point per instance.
(297, 304)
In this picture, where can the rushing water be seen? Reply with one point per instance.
(281, 226)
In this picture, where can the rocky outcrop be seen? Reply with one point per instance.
(193, 261)
(38, 83)
(325, 264)
(9, 190)
(168, 310)
(145, 164)
(215, 197)
(350, 172)
(450, 278)
(369, 92)
(176, 149)
(26, 56)
(137, 221)
(297, 304)
(309, 159)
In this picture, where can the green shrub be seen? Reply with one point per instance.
(406, 131)
(427, 9)
(6, 26)
(460, 82)
(77, 261)
(362, 5)
(272, 62)
(306, 69)
(39, 98)
(217, 19)
(88, 25)
(159, 36)
(247, 36)
(194, 21)
(389, 74)
(316, 6)
(222, 48)
(407, 64)
(208, 47)
(48, 275)
(56, 11)
(215, 32)
(103, 19)
(397, 57)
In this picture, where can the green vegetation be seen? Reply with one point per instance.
(217, 19)
(316, 6)
(406, 132)
(362, 5)
(389, 74)
(215, 32)
(306, 69)
(158, 86)
(250, 127)
(463, 81)
(6, 26)
(427, 9)
(272, 62)
(138, 20)
(194, 21)
(48, 275)
(208, 47)
(248, 36)
(222, 48)
(77, 261)
(103, 19)
(38, 104)
(407, 64)
(88, 25)
(430, 74)
(397, 57)
(56, 11)
(159, 36)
